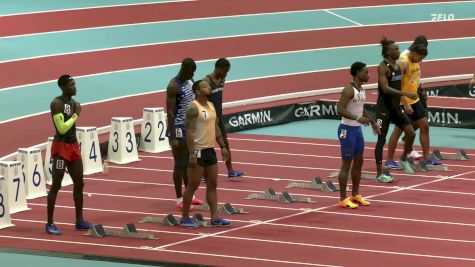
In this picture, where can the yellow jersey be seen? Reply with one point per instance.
(410, 79)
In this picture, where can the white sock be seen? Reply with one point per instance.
(178, 200)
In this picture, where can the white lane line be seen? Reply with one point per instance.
(341, 17)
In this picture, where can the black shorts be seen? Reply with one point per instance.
(395, 115)
(419, 111)
(422, 97)
(223, 131)
(206, 157)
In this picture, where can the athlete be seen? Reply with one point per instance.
(388, 107)
(202, 134)
(216, 80)
(409, 64)
(179, 97)
(350, 107)
(420, 39)
(65, 152)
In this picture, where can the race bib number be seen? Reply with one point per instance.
(343, 134)
(60, 164)
(380, 123)
(198, 154)
(178, 133)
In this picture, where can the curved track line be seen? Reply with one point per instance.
(92, 7)
(46, 22)
(129, 58)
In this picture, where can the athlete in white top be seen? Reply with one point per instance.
(351, 108)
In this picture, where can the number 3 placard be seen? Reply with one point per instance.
(122, 143)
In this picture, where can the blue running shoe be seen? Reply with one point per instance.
(235, 174)
(203, 180)
(52, 229)
(220, 222)
(83, 225)
(393, 165)
(189, 223)
(433, 161)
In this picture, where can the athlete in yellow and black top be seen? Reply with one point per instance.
(413, 107)
(388, 107)
(65, 152)
(202, 133)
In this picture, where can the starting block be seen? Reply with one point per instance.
(461, 155)
(129, 231)
(226, 208)
(285, 197)
(198, 219)
(48, 167)
(153, 137)
(15, 184)
(169, 220)
(122, 143)
(364, 175)
(33, 175)
(90, 149)
(421, 166)
(5, 220)
(317, 184)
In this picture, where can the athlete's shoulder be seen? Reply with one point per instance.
(57, 100)
(404, 57)
(172, 87)
(211, 104)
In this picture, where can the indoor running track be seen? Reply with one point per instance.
(424, 219)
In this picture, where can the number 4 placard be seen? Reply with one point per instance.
(153, 131)
(122, 143)
(90, 149)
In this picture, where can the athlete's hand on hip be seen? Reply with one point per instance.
(408, 109)
(225, 153)
(363, 120)
(376, 128)
(173, 142)
(192, 162)
(412, 96)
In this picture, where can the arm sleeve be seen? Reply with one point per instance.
(64, 126)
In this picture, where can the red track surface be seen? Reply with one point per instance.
(100, 114)
(403, 228)
(421, 220)
(156, 55)
(54, 21)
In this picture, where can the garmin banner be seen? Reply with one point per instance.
(457, 90)
(327, 110)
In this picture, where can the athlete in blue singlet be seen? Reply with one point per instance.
(179, 97)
